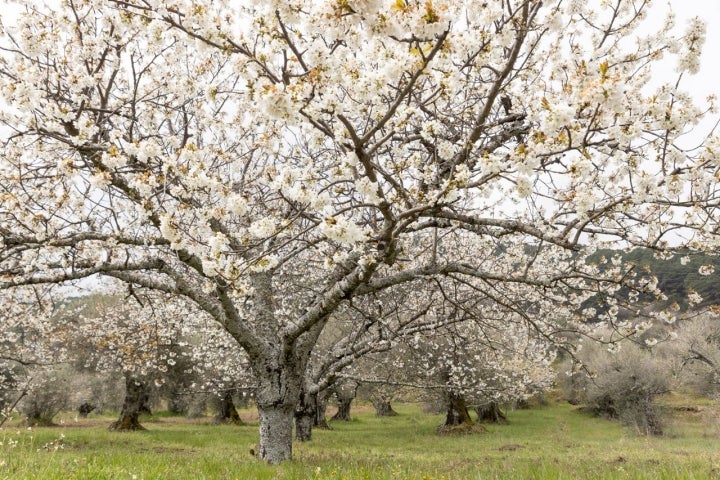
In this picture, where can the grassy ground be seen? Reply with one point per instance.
(554, 442)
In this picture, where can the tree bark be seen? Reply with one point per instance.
(457, 412)
(343, 412)
(457, 419)
(383, 408)
(491, 413)
(305, 413)
(136, 397)
(228, 413)
(85, 408)
(320, 411)
(345, 395)
(277, 395)
(303, 427)
(275, 433)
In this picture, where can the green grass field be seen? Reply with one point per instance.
(553, 442)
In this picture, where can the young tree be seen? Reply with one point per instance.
(271, 161)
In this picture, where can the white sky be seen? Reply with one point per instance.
(708, 80)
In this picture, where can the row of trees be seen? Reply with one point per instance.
(158, 348)
(453, 367)
(285, 167)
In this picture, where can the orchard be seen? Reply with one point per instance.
(350, 174)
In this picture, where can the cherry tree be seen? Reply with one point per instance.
(481, 348)
(219, 365)
(145, 335)
(365, 326)
(485, 365)
(34, 342)
(132, 335)
(272, 161)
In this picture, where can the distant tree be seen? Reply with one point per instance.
(694, 353)
(135, 335)
(34, 345)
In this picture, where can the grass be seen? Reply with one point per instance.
(553, 442)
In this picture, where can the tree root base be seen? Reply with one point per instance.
(462, 429)
(121, 427)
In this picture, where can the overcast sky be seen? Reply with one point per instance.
(708, 80)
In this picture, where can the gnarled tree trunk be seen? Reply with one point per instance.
(228, 413)
(491, 413)
(309, 414)
(383, 408)
(457, 411)
(305, 414)
(344, 394)
(136, 398)
(343, 410)
(278, 393)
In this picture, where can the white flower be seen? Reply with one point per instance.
(524, 187)
(262, 228)
(236, 204)
(694, 298)
(265, 263)
(342, 230)
(168, 229)
(368, 189)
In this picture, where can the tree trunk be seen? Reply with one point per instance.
(457, 412)
(305, 416)
(321, 408)
(136, 398)
(303, 426)
(491, 413)
(345, 395)
(85, 408)
(383, 408)
(343, 412)
(277, 395)
(275, 433)
(228, 413)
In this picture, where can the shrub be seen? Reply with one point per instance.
(621, 386)
(49, 393)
